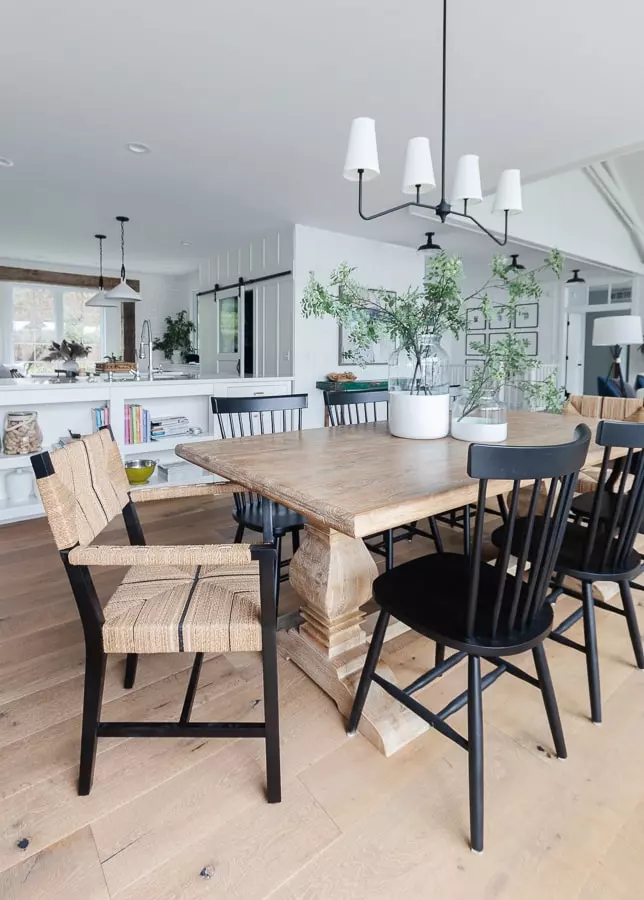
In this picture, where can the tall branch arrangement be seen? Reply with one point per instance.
(437, 308)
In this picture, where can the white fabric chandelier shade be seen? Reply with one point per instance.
(611, 331)
(123, 293)
(467, 181)
(508, 193)
(362, 152)
(419, 171)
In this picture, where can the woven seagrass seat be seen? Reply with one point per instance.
(179, 599)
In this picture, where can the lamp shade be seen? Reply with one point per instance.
(419, 171)
(609, 331)
(508, 193)
(467, 181)
(362, 152)
(100, 299)
(123, 293)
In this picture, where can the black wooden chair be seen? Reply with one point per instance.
(479, 609)
(247, 416)
(602, 549)
(178, 599)
(358, 407)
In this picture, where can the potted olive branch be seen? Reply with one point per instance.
(415, 321)
(177, 336)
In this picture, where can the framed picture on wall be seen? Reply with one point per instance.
(377, 354)
(531, 339)
(475, 320)
(470, 344)
(499, 319)
(527, 315)
(497, 338)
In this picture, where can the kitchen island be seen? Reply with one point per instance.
(65, 408)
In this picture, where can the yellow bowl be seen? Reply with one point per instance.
(138, 471)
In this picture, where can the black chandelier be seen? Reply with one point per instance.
(362, 165)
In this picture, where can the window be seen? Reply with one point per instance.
(40, 314)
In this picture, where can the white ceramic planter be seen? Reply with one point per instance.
(418, 417)
(19, 485)
(477, 431)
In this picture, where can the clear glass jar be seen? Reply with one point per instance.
(485, 420)
(22, 433)
(427, 374)
(419, 392)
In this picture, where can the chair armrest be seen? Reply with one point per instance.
(172, 492)
(188, 555)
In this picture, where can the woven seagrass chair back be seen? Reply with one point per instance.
(86, 488)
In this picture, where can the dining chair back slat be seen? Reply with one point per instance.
(356, 407)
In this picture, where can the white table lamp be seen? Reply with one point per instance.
(616, 332)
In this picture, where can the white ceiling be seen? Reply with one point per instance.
(246, 105)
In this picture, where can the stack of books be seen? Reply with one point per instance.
(138, 426)
(170, 426)
(101, 416)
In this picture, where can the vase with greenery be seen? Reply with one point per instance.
(69, 351)
(479, 414)
(177, 337)
(414, 322)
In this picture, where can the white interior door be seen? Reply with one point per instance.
(221, 333)
(575, 345)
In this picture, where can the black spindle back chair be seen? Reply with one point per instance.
(603, 548)
(481, 610)
(358, 408)
(249, 417)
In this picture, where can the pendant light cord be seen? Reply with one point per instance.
(100, 264)
(122, 251)
(444, 100)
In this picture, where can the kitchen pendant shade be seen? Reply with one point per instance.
(419, 171)
(100, 300)
(123, 293)
(467, 181)
(362, 152)
(508, 193)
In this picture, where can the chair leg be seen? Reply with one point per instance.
(373, 655)
(271, 715)
(467, 537)
(438, 540)
(549, 700)
(295, 537)
(592, 659)
(239, 534)
(633, 627)
(475, 751)
(503, 510)
(95, 663)
(131, 662)
(277, 543)
(388, 537)
(192, 689)
(439, 656)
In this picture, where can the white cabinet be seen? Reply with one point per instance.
(259, 389)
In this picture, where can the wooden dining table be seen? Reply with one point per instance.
(350, 482)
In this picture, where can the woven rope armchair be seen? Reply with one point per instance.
(173, 599)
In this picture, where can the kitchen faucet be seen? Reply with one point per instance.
(146, 335)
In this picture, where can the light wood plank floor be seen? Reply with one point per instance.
(177, 820)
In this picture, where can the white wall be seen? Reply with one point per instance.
(263, 255)
(162, 295)
(316, 340)
(567, 211)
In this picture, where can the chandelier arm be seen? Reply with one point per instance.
(444, 99)
(501, 242)
(385, 212)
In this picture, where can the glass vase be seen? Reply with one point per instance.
(483, 420)
(419, 391)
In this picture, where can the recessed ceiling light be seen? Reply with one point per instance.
(136, 147)
(186, 243)
(6, 163)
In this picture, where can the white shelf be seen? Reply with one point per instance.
(155, 481)
(10, 512)
(15, 462)
(168, 443)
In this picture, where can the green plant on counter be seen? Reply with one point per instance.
(177, 336)
(113, 358)
(66, 350)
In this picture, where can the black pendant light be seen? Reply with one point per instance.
(123, 292)
(515, 265)
(100, 299)
(575, 278)
(429, 247)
